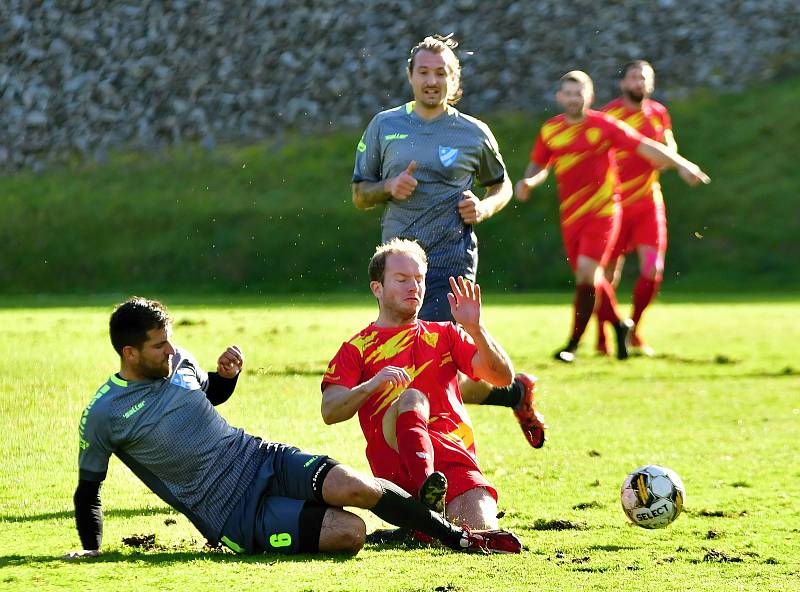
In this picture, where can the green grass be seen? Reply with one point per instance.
(277, 217)
(719, 405)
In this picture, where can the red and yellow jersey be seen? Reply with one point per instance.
(582, 155)
(638, 178)
(431, 353)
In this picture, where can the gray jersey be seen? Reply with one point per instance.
(168, 433)
(453, 153)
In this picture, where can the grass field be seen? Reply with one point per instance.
(720, 405)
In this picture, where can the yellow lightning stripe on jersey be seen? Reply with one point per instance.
(596, 202)
(616, 112)
(462, 435)
(648, 184)
(636, 120)
(362, 342)
(392, 346)
(567, 161)
(390, 393)
(580, 194)
(564, 138)
(446, 359)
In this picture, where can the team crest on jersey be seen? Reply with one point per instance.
(593, 135)
(447, 155)
(430, 338)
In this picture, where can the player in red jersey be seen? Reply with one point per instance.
(580, 144)
(644, 222)
(400, 374)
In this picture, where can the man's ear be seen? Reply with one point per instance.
(129, 354)
(377, 288)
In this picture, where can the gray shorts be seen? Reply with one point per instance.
(282, 510)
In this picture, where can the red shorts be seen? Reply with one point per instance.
(458, 466)
(594, 238)
(642, 225)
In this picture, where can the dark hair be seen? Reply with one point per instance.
(396, 246)
(635, 64)
(132, 319)
(442, 45)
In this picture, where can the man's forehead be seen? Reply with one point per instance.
(636, 71)
(430, 59)
(159, 334)
(404, 263)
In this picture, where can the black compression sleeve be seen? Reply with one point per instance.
(219, 388)
(89, 514)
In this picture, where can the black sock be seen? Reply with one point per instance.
(397, 507)
(506, 396)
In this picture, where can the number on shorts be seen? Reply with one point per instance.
(281, 539)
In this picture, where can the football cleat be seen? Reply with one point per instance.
(624, 330)
(640, 348)
(433, 491)
(529, 418)
(383, 536)
(564, 355)
(490, 541)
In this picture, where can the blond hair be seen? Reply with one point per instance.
(578, 76)
(396, 246)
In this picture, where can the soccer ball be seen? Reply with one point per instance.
(652, 496)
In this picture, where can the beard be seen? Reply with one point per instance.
(634, 96)
(156, 371)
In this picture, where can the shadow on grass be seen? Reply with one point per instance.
(123, 512)
(168, 557)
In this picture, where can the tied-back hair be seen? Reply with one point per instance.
(444, 45)
(396, 246)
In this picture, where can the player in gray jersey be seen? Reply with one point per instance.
(158, 416)
(421, 161)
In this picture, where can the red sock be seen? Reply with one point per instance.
(601, 321)
(607, 305)
(414, 445)
(643, 294)
(583, 306)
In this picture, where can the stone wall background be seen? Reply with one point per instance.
(81, 78)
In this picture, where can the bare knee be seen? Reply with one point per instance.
(344, 486)
(413, 400)
(342, 532)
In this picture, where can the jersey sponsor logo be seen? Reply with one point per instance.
(362, 147)
(135, 409)
(447, 155)
(310, 461)
(390, 137)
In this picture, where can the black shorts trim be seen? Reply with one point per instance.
(310, 526)
(318, 478)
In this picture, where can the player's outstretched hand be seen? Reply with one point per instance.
(392, 375)
(83, 553)
(692, 174)
(522, 190)
(471, 209)
(230, 362)
(402, 186)
(465, 303)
